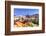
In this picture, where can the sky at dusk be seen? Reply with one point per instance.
(23, 11)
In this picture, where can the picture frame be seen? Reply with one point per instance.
(23, 6)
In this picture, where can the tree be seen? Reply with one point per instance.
(28, 16)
